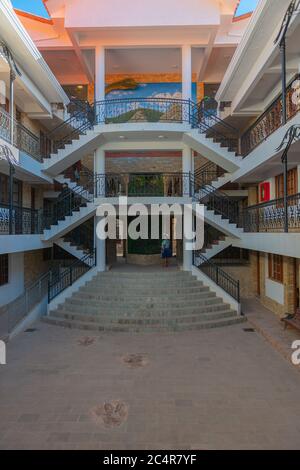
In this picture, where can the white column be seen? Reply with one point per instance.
(187, 257)
(100, 73)
(99, 166)
(187, 168)
(186, 63)
(100, 250)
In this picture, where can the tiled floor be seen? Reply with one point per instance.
(213, 389)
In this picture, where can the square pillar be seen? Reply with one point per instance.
(100, 73)
(186, 64)
(187, 170)
(187, 257)
(99, 168)
(100, 249)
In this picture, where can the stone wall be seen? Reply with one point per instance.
(246, 274)
(34, 265)
(26, 195)
(144, 164)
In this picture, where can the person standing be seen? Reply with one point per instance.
(166, 250)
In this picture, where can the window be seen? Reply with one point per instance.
(3, 269)
(292, 184)
(276, 268)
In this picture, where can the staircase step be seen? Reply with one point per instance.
(234, 319)
(120, 310)
(127, 319)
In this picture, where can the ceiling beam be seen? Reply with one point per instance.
(85, 66)
(207, 54)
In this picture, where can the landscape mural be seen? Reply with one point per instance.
(140, 110)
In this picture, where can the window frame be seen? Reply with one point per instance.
(275, 264)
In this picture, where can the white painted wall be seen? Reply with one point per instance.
(274, 290)
(15, 285)
(286, 244)
(137, 13)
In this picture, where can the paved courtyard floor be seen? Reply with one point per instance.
(213, 389)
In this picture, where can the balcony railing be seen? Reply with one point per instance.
(269, 216)
(19, 221)
(145, 184)
(24, 139)
(217, 275)
(269, 121)
(143, 110)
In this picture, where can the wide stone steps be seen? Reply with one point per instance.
(141, 301)
(171, 326)
(142, 311)
(137, 299)
(138, 302)
(144, 320)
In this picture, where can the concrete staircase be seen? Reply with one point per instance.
(75, 251)
(216, 248)
(137, 301)
(69, 222)
(77, 189)
(213, 151)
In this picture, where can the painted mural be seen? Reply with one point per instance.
(135, 106)
(129, 88)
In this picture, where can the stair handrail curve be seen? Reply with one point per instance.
(70, 274)
(217, 275)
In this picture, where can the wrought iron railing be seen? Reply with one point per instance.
(217, 275)
(69, 201)
(120, 111)
(216, 200)
(69, 275)
(79, 106)
(15, 311)
(24, 139)
(269, 216)
(143, 110)
(69, 130)
(19, 221)
(208, 173)
(269, 121)
(146, 184)
(204, 116)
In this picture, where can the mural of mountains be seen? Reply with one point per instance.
(125, 84)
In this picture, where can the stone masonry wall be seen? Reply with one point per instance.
(34, 265)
